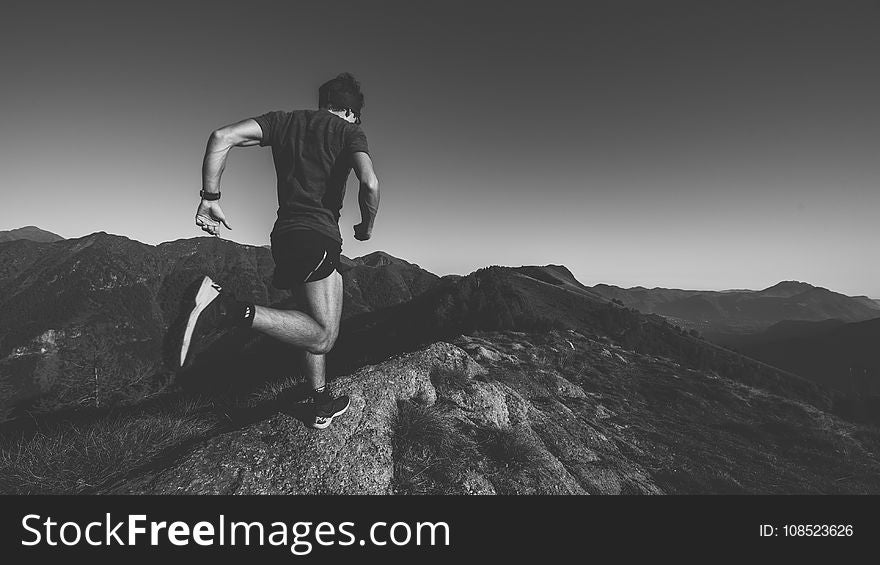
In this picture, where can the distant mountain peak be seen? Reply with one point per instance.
(787, 288)
(791, 284)
(379, 259)
(553, 274)
(30, 233)
(104, 238)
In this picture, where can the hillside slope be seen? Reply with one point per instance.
(843, 356)
(550, 413)
(379, 280)
(135, 288)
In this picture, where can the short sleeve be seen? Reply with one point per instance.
(356, 141)
(270, 123)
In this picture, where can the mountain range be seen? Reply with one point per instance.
(724, 315)
(132, 291)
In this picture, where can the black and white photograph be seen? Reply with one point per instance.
(539, 250)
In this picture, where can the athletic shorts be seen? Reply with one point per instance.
(303, 256)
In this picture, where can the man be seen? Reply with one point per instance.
(314, 152)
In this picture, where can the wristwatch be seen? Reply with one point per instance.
(209, 195)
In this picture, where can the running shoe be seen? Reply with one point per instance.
(209, 315)
(327, 408)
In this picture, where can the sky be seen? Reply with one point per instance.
(699, 144)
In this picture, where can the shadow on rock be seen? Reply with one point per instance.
(291, 401)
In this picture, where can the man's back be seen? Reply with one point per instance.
(313, 152)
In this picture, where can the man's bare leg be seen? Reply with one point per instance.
(290, 326)
(315, 331)
(324, 303)
(314, 369)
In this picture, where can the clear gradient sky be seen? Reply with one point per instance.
(680, 144)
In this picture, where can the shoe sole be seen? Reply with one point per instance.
(329, 421)
(206, 294)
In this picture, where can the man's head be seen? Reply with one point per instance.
(342, 94)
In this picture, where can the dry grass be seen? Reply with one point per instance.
(274, 390)
(431, 455)
(81, 458)
(512, 449)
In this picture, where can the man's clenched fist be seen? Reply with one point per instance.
(361, 232)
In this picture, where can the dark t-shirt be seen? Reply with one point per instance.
(313, 152)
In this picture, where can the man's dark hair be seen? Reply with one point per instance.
(342, 93)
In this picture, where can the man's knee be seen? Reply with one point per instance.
(326, 342)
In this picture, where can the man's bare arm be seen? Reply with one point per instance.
(245, 133)
(241, 134)
(368, 195)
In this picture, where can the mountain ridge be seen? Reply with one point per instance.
(725, 315)
(30, 233)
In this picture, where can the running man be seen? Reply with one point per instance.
(314, 152)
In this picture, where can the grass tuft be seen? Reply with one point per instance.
(274, 390)
(431, 455)
(512, 449)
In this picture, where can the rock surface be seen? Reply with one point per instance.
(548, 413)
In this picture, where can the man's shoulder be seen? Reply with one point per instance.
(281, 115)
(352, 131)
(285, 121)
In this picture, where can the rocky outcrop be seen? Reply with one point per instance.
(522, 446)
(280, 455)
